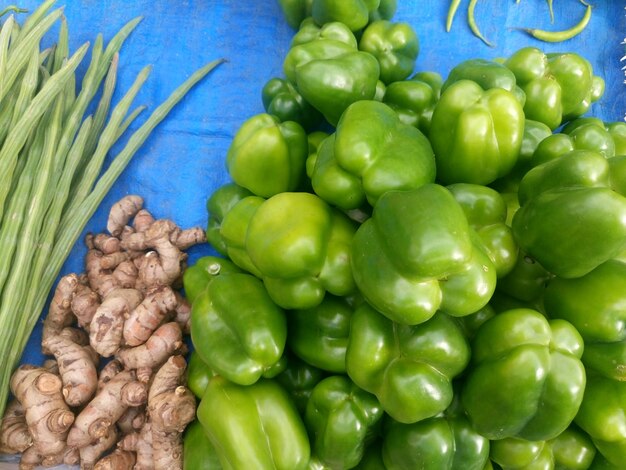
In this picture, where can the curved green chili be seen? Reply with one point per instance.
(558, 36)
(454, 6)
(471, 21)
(551, 11)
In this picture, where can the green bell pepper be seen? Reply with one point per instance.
(319, 335)
(255, 426)
(486, 213)
(530, 370)
(198, 452)
(298, 245)
(594, 304)
(233, 231)
(519, 454)
(198, 375)
(281, 99)
(267, 156)
(408, 368)
(372, 458)
(414, 100)
(341, 419)
(295, 11)
(440, 443)
(385, 11)
(526, 281)
(617, 174)
(602, 416)
(558, 86)
(353, 13)
(395, 46)
(236, 328)
(578, 168)
(476, 134)
(571, 450)
(487, 74)
(199, 274)
(416, 255)
(315, 139)
(309, 31)
(298, 379)
(371, 152)
(218, 205)
(571, 231)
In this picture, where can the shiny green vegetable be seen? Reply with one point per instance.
(560, 36)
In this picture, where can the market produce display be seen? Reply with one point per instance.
(406, 267)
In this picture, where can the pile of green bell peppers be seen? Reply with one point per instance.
(411, 271)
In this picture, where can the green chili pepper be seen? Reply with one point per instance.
(454, 6)
(559, 36)
(471, 21)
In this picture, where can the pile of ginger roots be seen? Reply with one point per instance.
(114, 396)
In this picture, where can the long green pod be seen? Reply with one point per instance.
(86, 180)
(129, 120)
(28, 88)
(452, 9)
(5, 36)
(471, 21)
(19, 55)
(16, 205)
(18, 135)
(12, 8)
(62, 49)
(102, 111)
(16, 286)
(36, 17)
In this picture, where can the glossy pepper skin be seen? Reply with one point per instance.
(578, 168)
(295, 11)
(198, 452)
(526, 281)
(255, 426)
(486, 213)
(558, 86)
(594, 304)
(340, 418)
(218, 205)
(236, 328)
(408, 368)
(531, 371)
(476, 134)
(353, 13)
(319, 335)
(299, 379)
(414, 100)
(267, 156)
(487, 74)
(371, 152)
(440, 443)
(572, 230)
(198, 375)
(601, 415)
(395, 46)
(416, 255)
(197, 276)
(298, 245)
(281, 99)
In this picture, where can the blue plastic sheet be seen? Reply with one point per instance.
(184, 159)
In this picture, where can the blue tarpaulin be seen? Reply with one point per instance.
(183, 162)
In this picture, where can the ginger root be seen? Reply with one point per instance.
(118, 460)
(122, 212)
(91, 453)
(47, 415)
(140, 443)
(14, 434)
(84, 305)
(103, 411)
(60, 311)
(149, 314)
(106, 327)
(77, 367)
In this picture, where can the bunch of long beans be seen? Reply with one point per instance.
(51, 160)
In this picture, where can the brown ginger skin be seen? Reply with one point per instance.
(47, 415)
(118, 460)
(132, 420)
(77, 368)
(103, 411)
(91, 453)
(122, 212)
(84, 305)
(110, 370)
(164, 342)
(14, 435)
(141, 443)
(31, 458)
(60, 311)
(149, 314)
(106, 327)
(171, 406)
